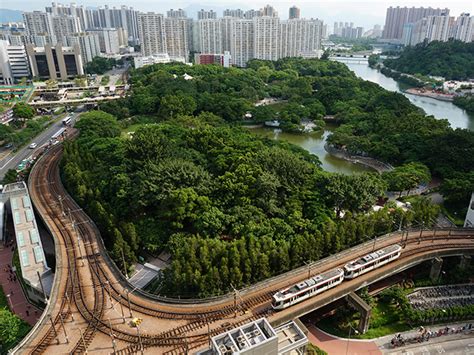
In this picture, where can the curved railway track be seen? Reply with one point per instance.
(88, 284)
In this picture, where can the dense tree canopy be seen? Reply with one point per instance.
(452, 60)
(99, 65)
(232, 208)
(22, 110)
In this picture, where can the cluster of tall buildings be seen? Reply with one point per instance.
(58, 42)
(347, 30)
(410, 26)
(246, 35)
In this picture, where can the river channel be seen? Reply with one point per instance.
(314, 143)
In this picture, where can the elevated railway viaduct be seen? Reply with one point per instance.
(92, 303)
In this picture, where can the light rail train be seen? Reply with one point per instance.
(329, 279)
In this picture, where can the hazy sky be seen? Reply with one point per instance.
(363, 13)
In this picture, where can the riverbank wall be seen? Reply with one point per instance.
(375, 164)
(433, 95)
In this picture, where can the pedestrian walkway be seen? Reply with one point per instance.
(429, 334)
(339, 346)
(11, 286)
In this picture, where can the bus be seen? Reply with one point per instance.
(67, 121)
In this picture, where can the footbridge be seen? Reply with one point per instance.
(92, 304)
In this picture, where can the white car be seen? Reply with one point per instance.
(33, 145)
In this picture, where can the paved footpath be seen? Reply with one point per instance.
(340, 346)
(458, 343)
(17, 299)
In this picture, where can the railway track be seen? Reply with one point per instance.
(79, 242)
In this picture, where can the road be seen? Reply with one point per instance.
(452, 346)
(12, 160)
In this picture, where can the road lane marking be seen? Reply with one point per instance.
(7, 162)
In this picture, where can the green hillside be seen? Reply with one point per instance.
(453, 60)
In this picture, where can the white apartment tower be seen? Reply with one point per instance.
(151, 32)
(266, 37)
(64, 25)
(39, 23)
(242, 42)
(439, 28)
(299, 36)
(88, 43)
(204, 15)
(210, 36)
(463, 28)
(226, 29)
(177, 32)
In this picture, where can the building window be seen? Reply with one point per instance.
(25, 261)
(29, 215)
(71, 65)
(16, 216)
(39, 257)
(21, 239)
(34, 236)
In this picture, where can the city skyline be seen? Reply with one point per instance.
(363, 13)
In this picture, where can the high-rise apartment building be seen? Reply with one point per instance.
(250, 14)
(39, 23)
(88, 43)
(463, 28)
(269, 11)
(242, 41)
(204, 15)
(233, 13)
(64, 25)
(210, 36)
(294, 12)
(177, 37)
(226, 29)
(176, 13)
(266, 37)
(397, 17)
(439, 28)
(299, 36)
(109, 39)
(151, 29)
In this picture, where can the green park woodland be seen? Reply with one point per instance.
(170, 168)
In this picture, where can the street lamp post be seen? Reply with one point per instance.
(349, 339)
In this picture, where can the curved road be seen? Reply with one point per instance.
(92, 304)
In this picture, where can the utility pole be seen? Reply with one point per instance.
(112, 337)
(110, 293)
(54, 328)
(64, 329)
(375, 241)
(73, 223)
(69, 306)
(128, 300)
(139, 338)
(61, 204)
(308, 264)
(124, 264)
(42, 286)
(121, 308)
(83, 341)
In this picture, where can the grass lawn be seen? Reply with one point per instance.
(385, 320)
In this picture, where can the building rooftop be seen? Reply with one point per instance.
(30, 249)
(290, 338)
(259, 337)
(244, 338)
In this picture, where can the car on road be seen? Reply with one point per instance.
(33, 145)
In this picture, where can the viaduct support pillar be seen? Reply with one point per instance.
(436, 265)
(465, 261)
(365, 311)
